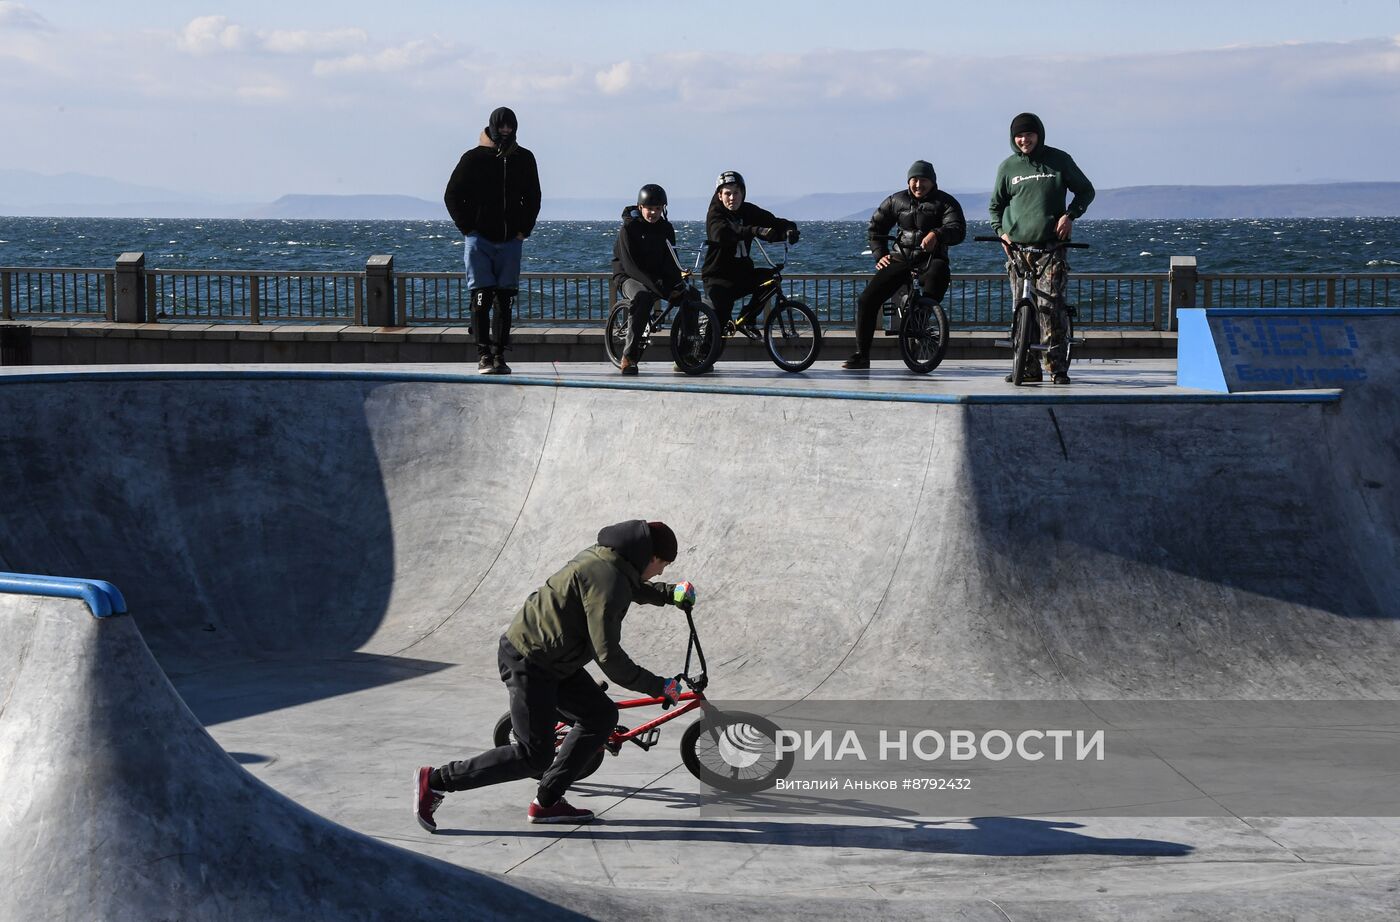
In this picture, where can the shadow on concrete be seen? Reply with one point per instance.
(1000, 836)
(230, 693)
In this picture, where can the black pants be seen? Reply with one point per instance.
(724, 292)
(643, 301)
(934, 278)
(536, 698)
(492, 329)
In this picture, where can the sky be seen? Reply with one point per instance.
(247, 101)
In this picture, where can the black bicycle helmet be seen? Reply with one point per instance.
(730, 176)
(651, 194)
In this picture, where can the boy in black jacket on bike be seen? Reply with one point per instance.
(929, 221)
(731, 224)
(644, 266)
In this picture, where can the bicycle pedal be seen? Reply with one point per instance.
(650, 738)
(1002, 343)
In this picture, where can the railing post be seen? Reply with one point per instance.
(130, 306)
(254, 299)
(1331, 291)
(6, 296)
(379, 291)
(1181, 285)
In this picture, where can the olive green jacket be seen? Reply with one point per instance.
(576, 617)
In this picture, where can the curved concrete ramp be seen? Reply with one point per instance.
(321, 564)
(120, 806)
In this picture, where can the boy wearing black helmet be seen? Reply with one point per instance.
(928, 221)
(644, 266)
(731, 224)
(494, 199)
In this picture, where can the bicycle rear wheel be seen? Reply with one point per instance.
(615, 332)
(695, 338)
(735, 751)
(502, 737)
(1021, 341)
(923, 336)
(792, 335)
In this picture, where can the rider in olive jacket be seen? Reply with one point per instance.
(1028, 197)
(576, 616)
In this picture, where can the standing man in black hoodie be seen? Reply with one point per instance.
(731, 224)
(494, 199)
(644, 266)
(572, 620)
(929, 221)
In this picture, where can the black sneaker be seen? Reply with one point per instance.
(1061, 378)
(1026, 379)
(501, 367)
(856, 362)
(486, 365)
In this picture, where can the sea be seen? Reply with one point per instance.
(1243, 245)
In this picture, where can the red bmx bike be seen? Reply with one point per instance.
(732, 751)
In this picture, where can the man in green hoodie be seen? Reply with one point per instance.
(1028, 207)
(574, 619)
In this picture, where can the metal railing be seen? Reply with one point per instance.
(254, 297)
(77, 294)
(544, 297)
(1298, 289)
(981, 300)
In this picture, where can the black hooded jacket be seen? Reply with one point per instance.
(938, 211)
(494, 191)
(728, 235)
(643, 252)
(576, 616)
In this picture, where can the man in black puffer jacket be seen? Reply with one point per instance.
(494, 199)
(928, 221)
(731, 224)
(644, 268)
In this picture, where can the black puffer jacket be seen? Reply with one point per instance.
(728, 235)
(938, 211)
(643, 252)
(494, 194)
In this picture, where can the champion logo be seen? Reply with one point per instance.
(1017, 180)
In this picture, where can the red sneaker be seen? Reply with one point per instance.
(561, 812)
(425, 799)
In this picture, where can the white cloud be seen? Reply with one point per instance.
(211, 34)
(14, 15)
(615, 79)
(408, 56)
(216, 34)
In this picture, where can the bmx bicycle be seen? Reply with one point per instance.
(1025, 334)
(733, 751)
(694, 335)
(790, 332)
(919, 321)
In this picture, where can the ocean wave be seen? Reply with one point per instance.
(1382, 262)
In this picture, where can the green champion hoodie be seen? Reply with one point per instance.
(1029, 195)
(576, 616)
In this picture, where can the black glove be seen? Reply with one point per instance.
(761, 233)
(793, 235)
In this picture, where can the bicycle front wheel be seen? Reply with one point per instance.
(615, 333)
(792, 335)
(735, 751)
(695, 338)
(923, 336)
(1021, 341)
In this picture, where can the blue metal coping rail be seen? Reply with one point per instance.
(1136, 397)
(102, 598)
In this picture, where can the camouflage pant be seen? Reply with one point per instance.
(1051, 275)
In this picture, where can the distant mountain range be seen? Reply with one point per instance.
(77, 195)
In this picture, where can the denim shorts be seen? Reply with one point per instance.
(492, 265)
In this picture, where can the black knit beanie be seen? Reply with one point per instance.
(1026, 121)
(663, 541)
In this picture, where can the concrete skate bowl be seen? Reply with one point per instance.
(321, 564)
